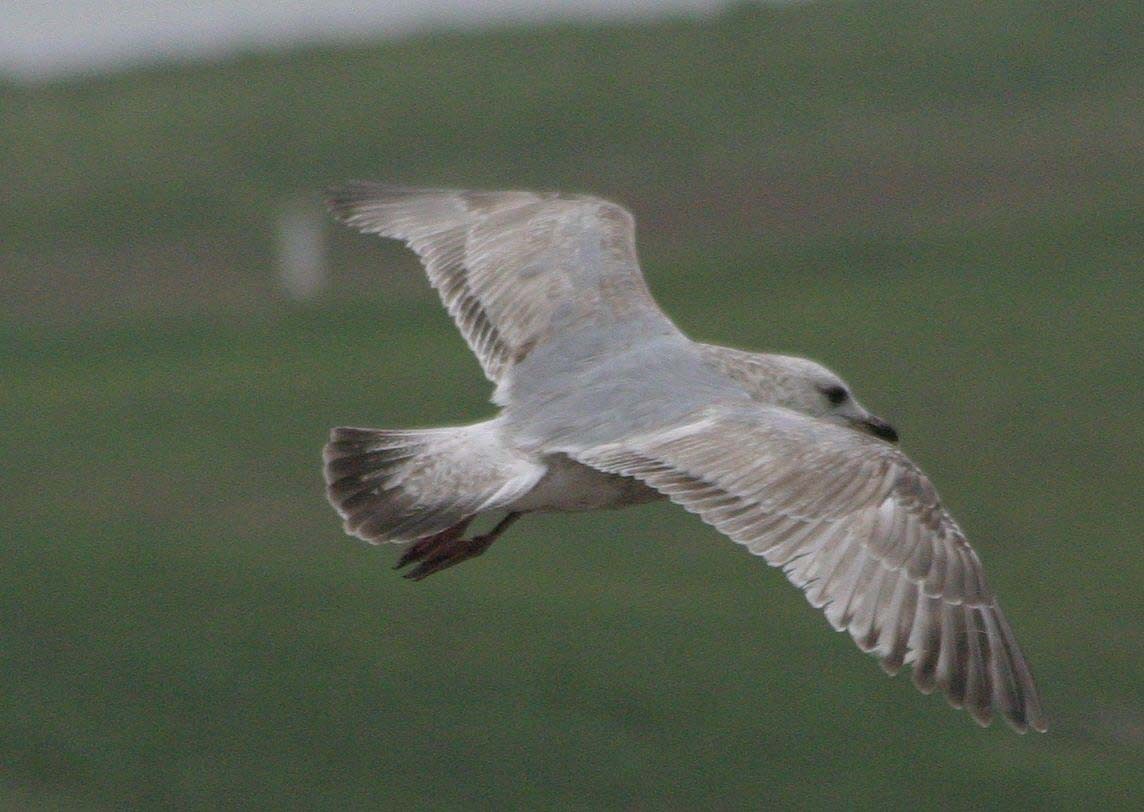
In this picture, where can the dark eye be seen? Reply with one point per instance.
(836, 394)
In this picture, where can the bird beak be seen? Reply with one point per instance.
(879, 428)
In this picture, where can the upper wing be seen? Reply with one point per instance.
(512, 268)
(857, 526)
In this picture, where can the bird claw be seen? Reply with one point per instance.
(448, 548)
(423, 548)
(441, 555)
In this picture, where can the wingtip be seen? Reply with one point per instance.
(1035, 720)
(1024, 717)
(343, 198)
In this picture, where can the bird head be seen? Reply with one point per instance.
(808, 387)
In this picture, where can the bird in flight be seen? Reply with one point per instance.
(605, 403)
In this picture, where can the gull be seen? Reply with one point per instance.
(604, 403)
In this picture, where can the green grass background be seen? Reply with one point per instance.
(939, 200)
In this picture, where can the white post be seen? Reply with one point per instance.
(301, 242)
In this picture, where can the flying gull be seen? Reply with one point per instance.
(605, 403)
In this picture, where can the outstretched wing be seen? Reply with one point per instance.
(857, 526)
(513, 268)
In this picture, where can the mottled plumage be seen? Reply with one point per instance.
(605, 403)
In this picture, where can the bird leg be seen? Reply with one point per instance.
(423, 548)
(447, 548)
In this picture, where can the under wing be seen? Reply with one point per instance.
(859, 528)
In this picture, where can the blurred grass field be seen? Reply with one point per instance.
(941, 201)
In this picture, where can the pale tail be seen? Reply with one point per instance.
(402, 485)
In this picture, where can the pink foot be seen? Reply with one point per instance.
(443, 556)
(426, 547)
(443, 550)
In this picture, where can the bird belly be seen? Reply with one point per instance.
(568, 485)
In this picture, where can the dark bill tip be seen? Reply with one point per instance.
(880, 428)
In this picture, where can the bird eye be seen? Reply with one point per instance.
(836, 394)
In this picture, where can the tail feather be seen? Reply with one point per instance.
(402, 485)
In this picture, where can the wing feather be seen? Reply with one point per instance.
(512, 268)
(860, 529)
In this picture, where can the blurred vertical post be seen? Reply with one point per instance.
(301, 242)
